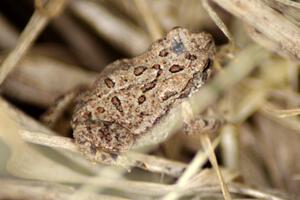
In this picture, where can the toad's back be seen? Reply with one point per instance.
(131, 95)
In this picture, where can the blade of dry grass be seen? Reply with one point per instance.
(290, 3)
(35, 26)
(241, 189)
(40, 80)
(250, 103)
(266, 42)
(128, 160)
(119, 32)
(80, 41)
(194, 166)
(230, 147)
(281, 113)
(218, 22)
(38, 190)
(291, 123)
(152, 24)
(267, 21)
(213, 160)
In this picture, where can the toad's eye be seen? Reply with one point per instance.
(208, 65)
(178, 47)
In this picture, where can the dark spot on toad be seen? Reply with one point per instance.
(117, 103)
(168, 94)
(100, 109)
(109, 83)
(158, 68)
(163, 53)
(176, 68)
(190, 56)
(141, 99)
(141, 114)
(139, 70)
(149, 86)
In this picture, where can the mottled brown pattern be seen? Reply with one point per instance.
(190, 56)
(141, 91)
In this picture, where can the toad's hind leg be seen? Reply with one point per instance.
(107, 136)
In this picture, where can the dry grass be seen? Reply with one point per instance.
(255, 89)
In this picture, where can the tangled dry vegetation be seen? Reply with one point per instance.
(50, 47)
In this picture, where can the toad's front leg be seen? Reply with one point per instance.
(207, 122)
(203, 124)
